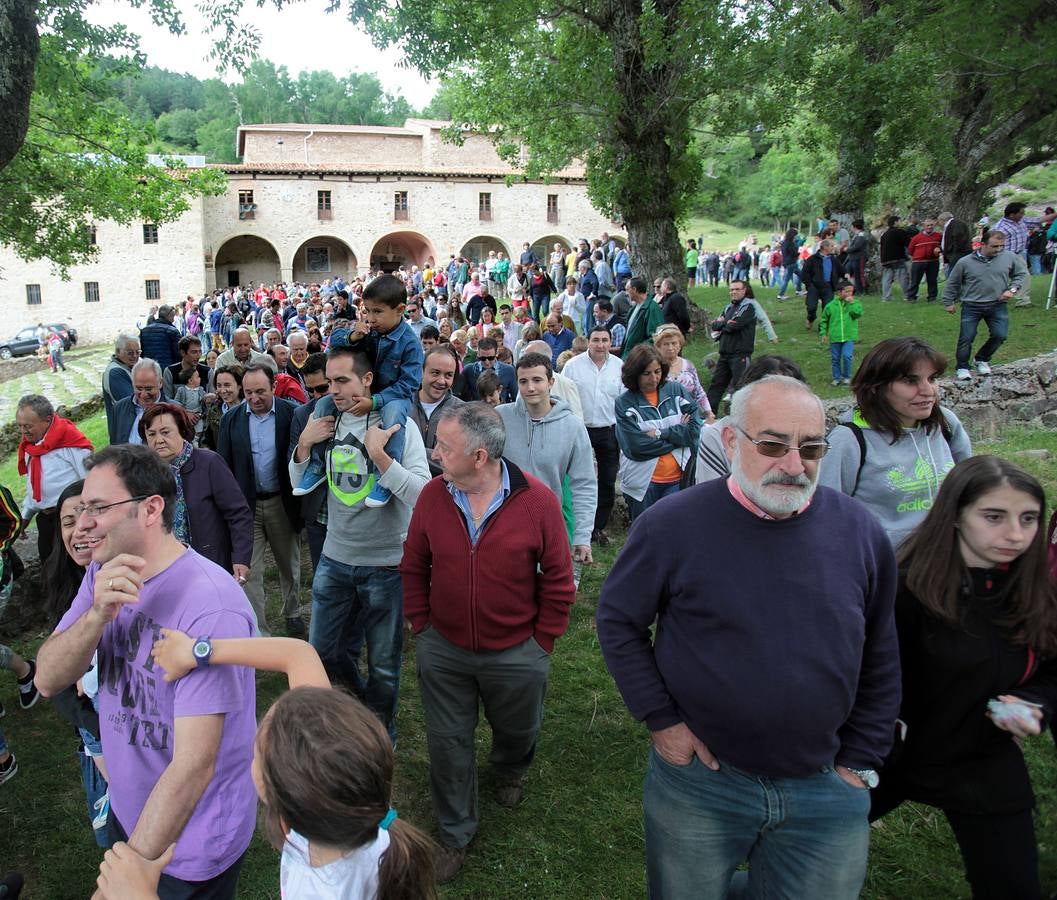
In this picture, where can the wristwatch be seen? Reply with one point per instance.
(202, 650)
(1013, 290)
(869, 777)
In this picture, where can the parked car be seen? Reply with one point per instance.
(22, 344)
(25, 341)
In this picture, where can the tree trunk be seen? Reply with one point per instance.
(650, 142)
(19, 46)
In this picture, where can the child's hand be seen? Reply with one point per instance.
(173, 653)
(362, 406)
(125, 875)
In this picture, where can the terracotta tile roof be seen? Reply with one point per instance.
(264, 168)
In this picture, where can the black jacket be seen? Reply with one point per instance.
(160, 341)
(894, 245)
(954, 757)
(234, 446)
(676, 312)
(737, 334)
(811, 273)
(957, 241)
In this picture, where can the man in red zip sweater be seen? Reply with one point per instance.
(488, 585)
(924, 250)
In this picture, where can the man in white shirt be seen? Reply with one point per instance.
(596, 375)
(511, 329)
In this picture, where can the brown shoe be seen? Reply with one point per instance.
(449, 862)
(508, 792)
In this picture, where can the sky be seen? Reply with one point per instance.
(301, 36)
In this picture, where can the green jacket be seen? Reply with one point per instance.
(642, 322)
(840, 321)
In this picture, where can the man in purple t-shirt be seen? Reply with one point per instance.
(179, 754)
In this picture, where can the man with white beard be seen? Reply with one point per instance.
(772, 683)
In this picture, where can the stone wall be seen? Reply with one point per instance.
(11, 369)
(1022, 392)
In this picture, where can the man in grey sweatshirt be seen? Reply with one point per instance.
(545, 439)
(985, 281)
(357, 589)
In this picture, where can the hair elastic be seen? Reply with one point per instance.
(388, 820)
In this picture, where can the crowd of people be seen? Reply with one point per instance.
(412, 428)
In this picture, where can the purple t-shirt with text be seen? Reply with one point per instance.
(137, 707)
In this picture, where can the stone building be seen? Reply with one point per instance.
(310, 202)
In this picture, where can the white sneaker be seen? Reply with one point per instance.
(963, 375)
(983, 368)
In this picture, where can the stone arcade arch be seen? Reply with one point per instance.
(544, 246)
(246, 259)
(322, 257)
(476, 249)
(402, 248)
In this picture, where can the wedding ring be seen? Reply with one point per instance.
(110, 585)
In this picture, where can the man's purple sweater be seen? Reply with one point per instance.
(775, 640)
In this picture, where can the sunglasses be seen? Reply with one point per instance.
(320, 389)
(486, 358)
(777, 449)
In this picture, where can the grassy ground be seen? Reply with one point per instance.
(578, 833)
(719, 235)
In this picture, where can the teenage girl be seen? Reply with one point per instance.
(977, 621)
(323, 767)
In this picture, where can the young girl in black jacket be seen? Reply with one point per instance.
(977, 624)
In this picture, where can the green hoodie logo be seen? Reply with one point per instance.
(924, 481)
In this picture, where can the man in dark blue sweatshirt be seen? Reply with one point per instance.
(771, 686)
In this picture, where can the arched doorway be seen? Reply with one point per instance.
(323, 257)
(476, 249)
(401, 248)
(244, 260)
(544, 246)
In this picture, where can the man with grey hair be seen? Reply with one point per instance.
(241, 352)
(485, 631)
(770, 682)
(146, 391)
(117, 376)
(51, 455)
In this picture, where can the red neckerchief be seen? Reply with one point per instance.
(62, 433)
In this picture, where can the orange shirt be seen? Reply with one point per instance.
(667, 470)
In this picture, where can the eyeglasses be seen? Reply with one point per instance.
(486, 358)
(320, 389)
(777, 449)
(97, 509)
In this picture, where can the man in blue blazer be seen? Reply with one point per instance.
(254, 441)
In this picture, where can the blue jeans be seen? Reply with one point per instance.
(996, 315)
(840, 353)
(654, 492)
(791, 273)
(350, 601)
(1035, 264)
(802, 837)
(393, 413)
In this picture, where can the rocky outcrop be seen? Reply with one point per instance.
(1023, 392)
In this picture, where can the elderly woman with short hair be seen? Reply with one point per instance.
(670, 341)
(211, 514)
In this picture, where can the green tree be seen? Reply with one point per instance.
(69, 153)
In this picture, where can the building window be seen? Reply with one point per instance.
(484, 207)
(33, 294)
(401, 213)
(552, 208)
(323, 207)
(150, 234)
(91, 292)
(153, 289)
(90, 235)
(246, 205)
